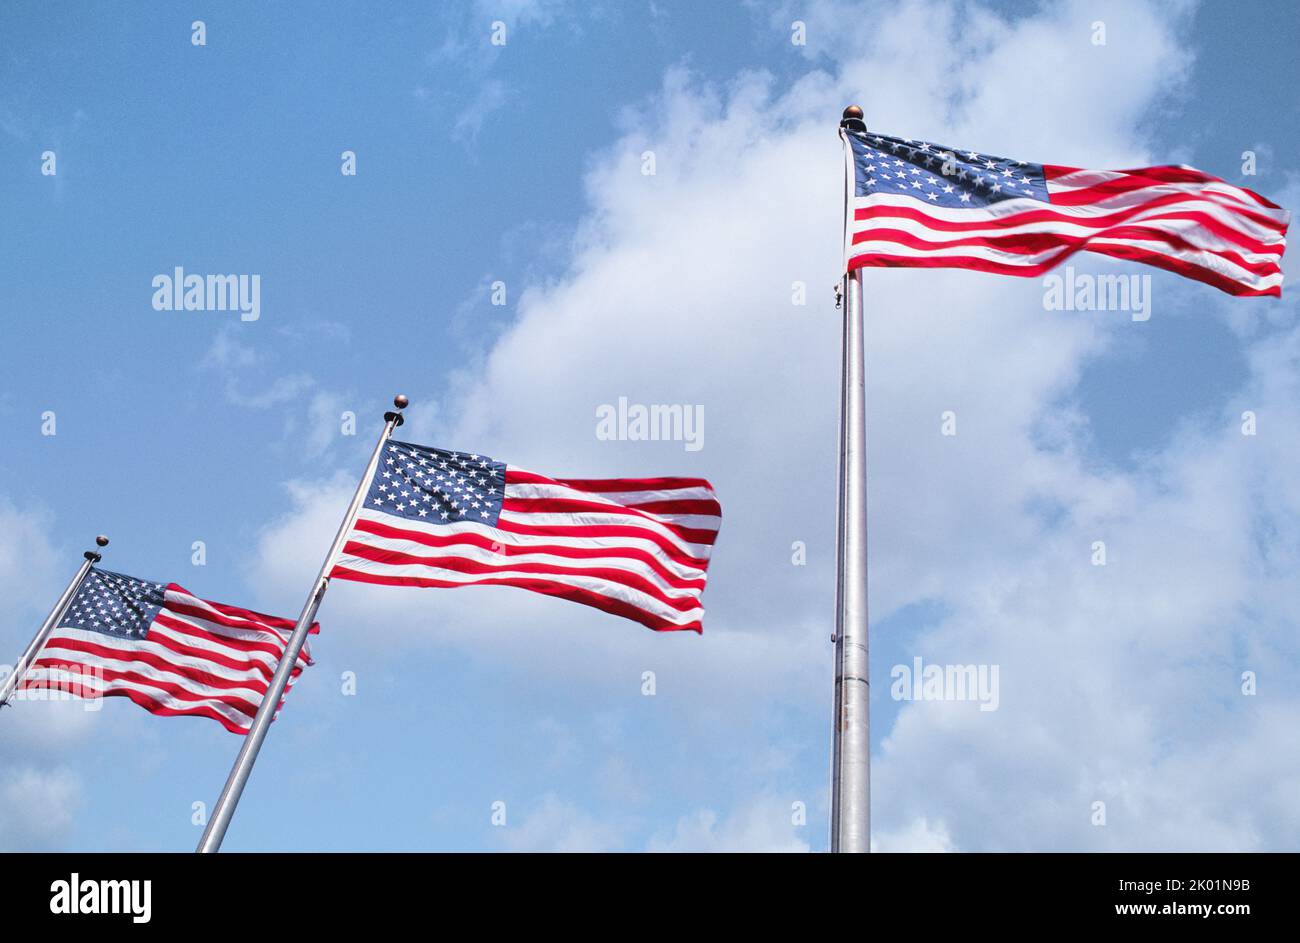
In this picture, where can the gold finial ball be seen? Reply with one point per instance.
(101, 540)
(400, 401)
(853, 112)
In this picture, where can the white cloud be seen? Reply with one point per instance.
(919, 835)
(36, 808)
(554, 824)
(759, 825)
(1119, 684)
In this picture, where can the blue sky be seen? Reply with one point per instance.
(522, 164)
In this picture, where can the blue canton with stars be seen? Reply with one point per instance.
(437, 486)
(886, 164)
(114, 605)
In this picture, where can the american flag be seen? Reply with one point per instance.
(635, 547)
(923, 204)
(167, 650)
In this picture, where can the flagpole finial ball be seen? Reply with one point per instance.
(853, 112)
(400, 401)
(101, 541)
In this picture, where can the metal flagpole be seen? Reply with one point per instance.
(225, 808)
(51, 622)
(851, 772)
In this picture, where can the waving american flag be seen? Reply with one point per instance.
(164, 648)
(635, 547)
(921, 204)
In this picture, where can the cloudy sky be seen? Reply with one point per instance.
(524, 164)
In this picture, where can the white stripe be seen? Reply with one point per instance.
(560, 490)
(607, 588)
(151, 646)
(571, 525)
(221, 647)
(1004, 208)
(579, 520)
(191, 641)
(502, 562)
(56, 676)
(1194, 193)
(252, 630)
(1026, 260)
(126, 660)
(1191, 230)
(612, 545)
(698, 521)
(1205, 260)
(1084, 179)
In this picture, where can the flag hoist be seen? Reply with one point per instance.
(851, 762)
(225, 808)
(51, 621)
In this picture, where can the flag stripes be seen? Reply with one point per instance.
(638, 548)
(908, 212)
(196, 658)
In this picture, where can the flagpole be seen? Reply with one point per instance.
(234, 788)
(851, 772)
(51, 622)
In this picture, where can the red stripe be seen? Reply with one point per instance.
(247, 615)
(237, 618)
(207, 679)
(164, 618)
(506, 550)
(207, 654)
(701, 506)
(1161, 173)
(587, 531)
(1181, 267)
(575, 594)
(1168, 173)
(1179, 243)
(1187, 269)
(180, 692)
(1048, 215)
(475, 568)
(1100, 192)
(693, 535)
(515, 476)
(148, 703)
(1028, 243)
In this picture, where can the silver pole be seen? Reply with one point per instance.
(234, 788)
(51, 622)
(851, 773)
